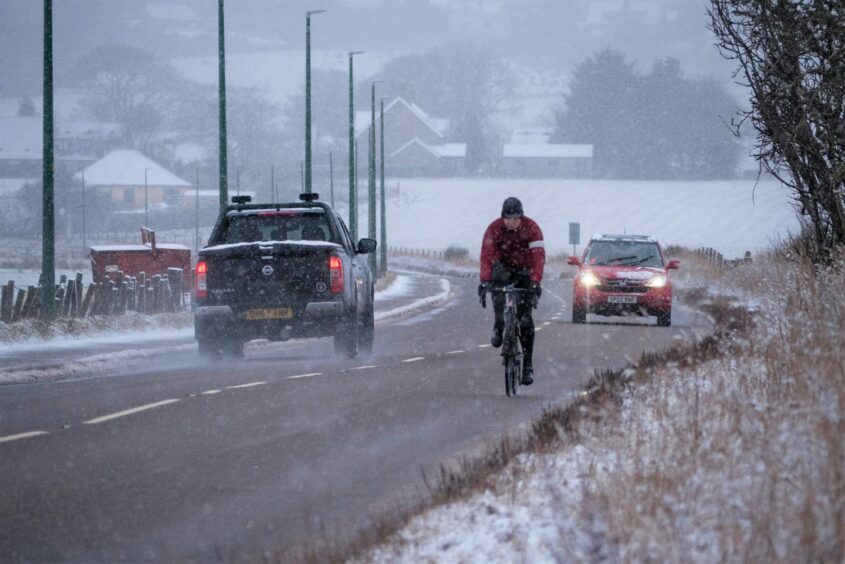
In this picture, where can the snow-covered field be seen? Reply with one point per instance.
(738, 458)
(730, 216)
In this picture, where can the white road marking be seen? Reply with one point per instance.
(304, 375)
(546, 323)
(415, 359)
(484, 346)
(455, 352)
(250, 385)
(129, 411)
(538, 329)
(364, 367)
(211, 392)
(26, 435)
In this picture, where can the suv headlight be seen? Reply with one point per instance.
(656, 282)
(589, 279)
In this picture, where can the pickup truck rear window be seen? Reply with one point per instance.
(272, 225)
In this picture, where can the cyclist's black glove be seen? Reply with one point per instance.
(483, 288)
(538, 291)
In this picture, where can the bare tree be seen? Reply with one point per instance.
(790, 56)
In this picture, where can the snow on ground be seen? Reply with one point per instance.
(730, 216)
(738, 458)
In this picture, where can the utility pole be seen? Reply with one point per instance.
(48, 259)
(146, 204)
(221, 58)
(353, 204)
(307, 179)
(383, 242)
(84, 234)
(331, 178)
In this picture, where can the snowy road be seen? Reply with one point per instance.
(172, 459)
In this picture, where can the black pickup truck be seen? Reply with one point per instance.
(283, 270)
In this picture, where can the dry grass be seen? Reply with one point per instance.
(728, 449)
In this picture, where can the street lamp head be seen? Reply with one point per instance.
(310, 12)
(351, 53)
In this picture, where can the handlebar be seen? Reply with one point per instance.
(509, 289)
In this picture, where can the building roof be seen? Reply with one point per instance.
(531, 135)
(126, 168)
(454, 150)
(20, 138)
(437, 125)
(548, 151)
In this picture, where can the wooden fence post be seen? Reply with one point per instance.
(6, 301)
(175, 276)
(16, 311)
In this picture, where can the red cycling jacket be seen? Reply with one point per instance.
(520, 248)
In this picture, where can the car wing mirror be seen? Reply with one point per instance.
(674, 264)
(573, 261)
(366, 246)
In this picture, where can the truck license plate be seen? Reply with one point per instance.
(269, 313)
(622, 299)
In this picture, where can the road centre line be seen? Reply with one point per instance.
(486, 346)
(367, 367)
(455, 352)
(211, 392)
(9, 438)
(415, 359)
(304, 375)
(250, 385)
(546, 323)
(129, 411)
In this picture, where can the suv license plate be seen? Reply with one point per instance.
(622, 299)
(269, 313)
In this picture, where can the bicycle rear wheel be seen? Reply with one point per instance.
(511, 375)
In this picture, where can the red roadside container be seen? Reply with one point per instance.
(147, 257)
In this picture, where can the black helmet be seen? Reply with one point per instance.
(512, 208)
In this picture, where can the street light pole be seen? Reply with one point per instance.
(197, 211)
(308, 97)
(221, 77)
(353, 204)
(48, 259)
(371, 207)
(383, 242)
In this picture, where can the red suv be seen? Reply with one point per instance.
(623, 274)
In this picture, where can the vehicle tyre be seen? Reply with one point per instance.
(234, 349)
(664, 318)
(512, 370)
(367, 332)
(579, 315)
(346, 338)
(208, 348)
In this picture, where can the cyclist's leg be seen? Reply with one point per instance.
(524, 309)
(501, 276)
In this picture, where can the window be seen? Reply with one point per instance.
(624, 253)
(281, 225)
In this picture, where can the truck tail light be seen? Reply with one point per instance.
(202, 288)
(336, 274)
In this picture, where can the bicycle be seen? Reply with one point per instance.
(511, 348)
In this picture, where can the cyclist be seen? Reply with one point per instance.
(513, 252)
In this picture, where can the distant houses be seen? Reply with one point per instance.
(530, 153)
(130, 179)
(416, 144)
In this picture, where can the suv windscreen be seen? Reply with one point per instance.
(272, 225)
(624, 253)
